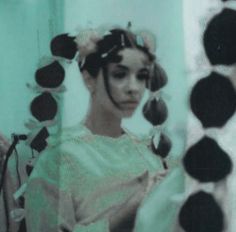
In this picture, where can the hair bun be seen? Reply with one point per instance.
(158, 78)
(64, 46)
(44, 107)
(50, 76)
(155, 111)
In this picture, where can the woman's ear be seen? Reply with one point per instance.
(89, 81)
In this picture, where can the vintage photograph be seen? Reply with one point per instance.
(117, 116)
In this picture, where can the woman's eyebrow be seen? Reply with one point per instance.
(144, 70)
(122, 66)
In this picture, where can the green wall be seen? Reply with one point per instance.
(26, 29)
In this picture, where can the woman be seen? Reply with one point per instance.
(94, 176)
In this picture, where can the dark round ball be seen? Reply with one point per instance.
(206, 161)
(219, 38)
(213, 100)
(50, 76)
(155, 111)
(158, 79)
(44, 107)
(163, 147)
(201, 213)
(64, 46)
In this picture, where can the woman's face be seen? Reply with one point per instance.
(127, 81)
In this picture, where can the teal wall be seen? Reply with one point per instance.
(164, 18)
(26, 29)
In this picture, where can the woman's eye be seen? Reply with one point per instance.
(143, 76)
(119, 75)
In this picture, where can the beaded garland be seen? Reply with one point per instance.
(213, 102)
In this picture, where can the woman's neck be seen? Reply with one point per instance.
(103, 123)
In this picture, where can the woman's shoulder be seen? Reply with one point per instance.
(64, 135)
(60, 160)
(60, 143)
(71, 144)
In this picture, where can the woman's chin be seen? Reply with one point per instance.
(128, 113)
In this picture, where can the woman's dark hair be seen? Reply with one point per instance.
(108, 48)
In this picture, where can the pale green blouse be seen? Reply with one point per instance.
(82, 177)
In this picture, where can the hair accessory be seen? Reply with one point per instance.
(156, 139)
(82, 62)
(155, 111)
(158, 78)
(129, 24)
(156, 95)
(63, 46)
(87, 42)
(107, 53)
(39, 89)
(154, 130)
(122, 40)
(139, 40)
(162, 146)
(149, 40)
(48, 60)
(44, 107)
(33, 124)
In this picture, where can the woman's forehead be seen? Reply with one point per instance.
(133, 58)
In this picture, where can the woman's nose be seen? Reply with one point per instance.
(133, 85)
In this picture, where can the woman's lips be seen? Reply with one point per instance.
(129, 104)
